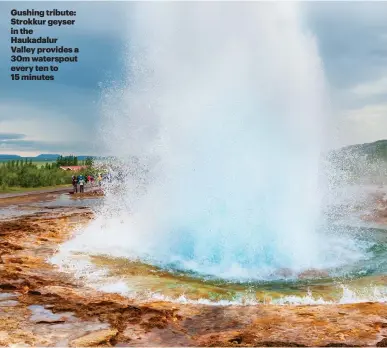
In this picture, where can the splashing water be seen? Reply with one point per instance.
(223, 109)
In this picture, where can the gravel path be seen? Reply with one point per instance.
(36, 192)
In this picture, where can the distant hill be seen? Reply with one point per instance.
(9, 157)
(49, 157)
(360, 163)
(375, 151)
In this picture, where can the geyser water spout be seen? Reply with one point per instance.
(223, 109)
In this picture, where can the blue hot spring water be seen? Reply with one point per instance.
(218, 128)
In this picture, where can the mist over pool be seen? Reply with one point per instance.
(218, 128)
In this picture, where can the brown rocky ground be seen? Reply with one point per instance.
(40, 306)
(378, 213)
(95, 192)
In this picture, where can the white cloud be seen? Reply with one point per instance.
(37, 123)
(365, 124)
(371, 89)
(45, 129)
(363, 114)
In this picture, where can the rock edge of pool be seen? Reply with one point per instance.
(42, 306)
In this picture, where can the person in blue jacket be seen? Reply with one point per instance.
(81, 183)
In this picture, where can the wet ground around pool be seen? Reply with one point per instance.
(42, 306)
(363, 280)
(39, 203)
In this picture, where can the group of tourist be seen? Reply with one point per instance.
(82, 180)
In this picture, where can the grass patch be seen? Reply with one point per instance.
(42, 163)
(18, 189)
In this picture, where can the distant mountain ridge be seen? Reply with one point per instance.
(10, 157)
(47, 156)
(376, 150)
(42, 157)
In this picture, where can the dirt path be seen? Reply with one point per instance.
(35, 192)
(44, 195)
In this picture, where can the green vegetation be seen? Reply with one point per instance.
(376, 151)
(89, 161)
(372, 152)
(73, 161)
(24, 174)
(361, 163)
(41, 163)
(38, 162)
(67, 161)
(18, 189)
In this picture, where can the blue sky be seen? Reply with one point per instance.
(63, 116)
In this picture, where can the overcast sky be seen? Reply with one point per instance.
(63, 116)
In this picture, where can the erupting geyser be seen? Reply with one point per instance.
(223, 110)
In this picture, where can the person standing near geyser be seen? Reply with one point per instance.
(75, 183)
(81, 182)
